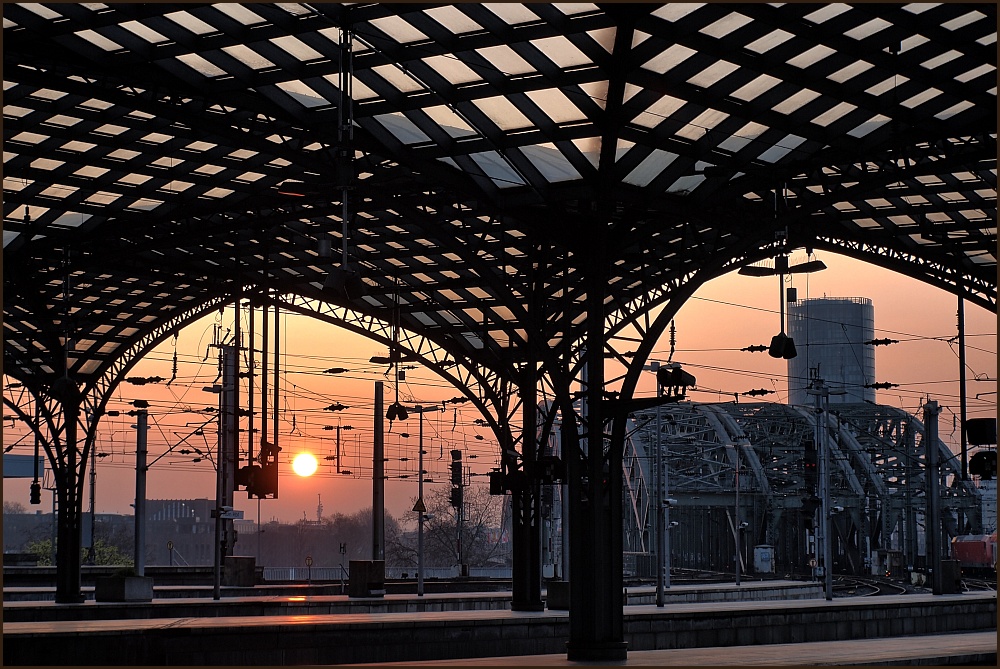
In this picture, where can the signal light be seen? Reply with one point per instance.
(984, 465)
(456, 478)
(35, 493)
(810, 462)
(782, 346)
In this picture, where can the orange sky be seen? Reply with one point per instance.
(729, 313)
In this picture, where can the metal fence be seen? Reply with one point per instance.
(279, 574)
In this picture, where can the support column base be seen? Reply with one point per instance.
(608, 651)
(527, 606)
(71, 599)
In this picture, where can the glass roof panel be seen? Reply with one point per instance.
(359, 91)
(144, 32)
(712, 74)
(503, 113)
(550, 162)
(99, 40)
(851, 71)
(303, 94)
(399, 29)
(453, 19)
(63, 120)
(726, 25)
(675, 11)
(449, 121)
(248, 57)
(827, 12)
(796, 101)
(512, 13)
(605, 37)
(975, 72)
(200, 65)
(912, 42)
(590, 147)
(769, 41)
(452, 69)
(239, 13)
(78, 146)
(964, 20)
(921, 98)
(597, 91)
(941, 59)
(506, 60)
(556, 105)
(669, 58)
(294, 8)
(650, 168)
(496, 168)
(397, 78)
(887, 84)
(402, 128)
(41, 10)
(921, 7)
(658, 111)
(48, 94)
(811, 57)
(868, 29)
(561, 51)
(755, 88)
(702, 123)
(781, 149)
(742, 137)
(296, 48)
(686, 183)
(574, 8)
(192, 23)
(834, 113)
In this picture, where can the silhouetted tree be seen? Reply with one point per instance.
(482, 529)
(14, 507)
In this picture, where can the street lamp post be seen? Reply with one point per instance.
(422, 508)
(660, 494)
(822, 394)
(660, 540)
(736, 520)
(419, 507)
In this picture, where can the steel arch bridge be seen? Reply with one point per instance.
(878, 476)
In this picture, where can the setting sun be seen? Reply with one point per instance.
(304, 464)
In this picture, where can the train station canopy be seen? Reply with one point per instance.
(462, 165)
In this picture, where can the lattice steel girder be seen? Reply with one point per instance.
(976, 284)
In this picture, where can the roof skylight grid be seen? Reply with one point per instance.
(198, 113)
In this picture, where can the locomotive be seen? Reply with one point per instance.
(976, 553)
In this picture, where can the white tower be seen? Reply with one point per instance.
(830, 333)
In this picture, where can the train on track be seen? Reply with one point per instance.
(976, 553)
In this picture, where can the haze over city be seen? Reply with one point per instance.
(726, 315)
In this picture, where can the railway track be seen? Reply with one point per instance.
(862, 586)
(978, 584)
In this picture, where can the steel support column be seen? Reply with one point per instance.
(68, 492)
(932, 521)
(596, 630)
(526, 525)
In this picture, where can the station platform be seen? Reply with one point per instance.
(435, 636)
(972, 649)
(37, 604)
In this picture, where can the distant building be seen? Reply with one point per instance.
(830, 334)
